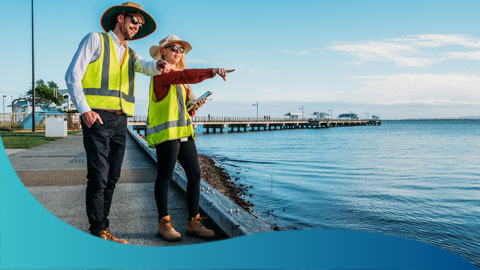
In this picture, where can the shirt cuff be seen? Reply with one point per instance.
(83, 107)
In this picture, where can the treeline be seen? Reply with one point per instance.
(46, 93)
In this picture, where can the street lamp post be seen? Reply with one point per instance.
(33, 76)
(302, 110)
(256, 104)
(12, 117)
(331, 114)
(4, 96)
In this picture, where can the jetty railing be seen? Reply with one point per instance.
(215, 123)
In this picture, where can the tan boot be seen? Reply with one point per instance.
(195, 227)
(166, 230)
(107, 235)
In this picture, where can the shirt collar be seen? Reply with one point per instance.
(114, 37)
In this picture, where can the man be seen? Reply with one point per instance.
(101, 81)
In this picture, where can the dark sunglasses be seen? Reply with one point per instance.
(135, 21)
(175, 48)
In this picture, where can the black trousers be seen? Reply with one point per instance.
(167, 154)
(105, 148)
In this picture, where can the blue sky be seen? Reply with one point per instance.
(395, 59)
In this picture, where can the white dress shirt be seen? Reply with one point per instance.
(89, 51)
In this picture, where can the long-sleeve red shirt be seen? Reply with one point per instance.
(162, 82)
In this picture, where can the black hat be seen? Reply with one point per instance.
(109, 18)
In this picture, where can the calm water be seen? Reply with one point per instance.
(414, 179)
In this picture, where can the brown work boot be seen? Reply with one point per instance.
(107, 235)
(166, 230)
(195, 227)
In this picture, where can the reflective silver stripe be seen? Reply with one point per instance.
(181, 106)
(131, 73)
(167, 125)
(181, 122)
(107, 93)
(106, 61)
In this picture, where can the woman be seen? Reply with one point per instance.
(170, 131)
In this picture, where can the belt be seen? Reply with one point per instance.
(113, 111)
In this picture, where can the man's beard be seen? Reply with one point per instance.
(127, 37)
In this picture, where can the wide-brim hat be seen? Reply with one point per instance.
(170, 39)
(109, 19)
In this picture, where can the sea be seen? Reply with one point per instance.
(417, 179)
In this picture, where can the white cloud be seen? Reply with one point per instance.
(242, 68)
(438, 40)
(419, 88)
(428, 89)
(412, 51)
(474, 55)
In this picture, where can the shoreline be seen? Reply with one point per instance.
(218, 178)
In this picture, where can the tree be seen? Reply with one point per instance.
(46, 93)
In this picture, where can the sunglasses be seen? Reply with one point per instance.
(135, 21)
(175, 48)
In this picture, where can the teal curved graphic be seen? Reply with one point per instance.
(33, 238)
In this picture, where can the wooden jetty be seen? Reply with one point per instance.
(237, 124)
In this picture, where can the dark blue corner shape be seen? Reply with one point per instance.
(32, 238)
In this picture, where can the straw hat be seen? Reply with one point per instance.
(109, 18)
(170, 39)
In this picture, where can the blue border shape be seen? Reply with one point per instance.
(33, 238)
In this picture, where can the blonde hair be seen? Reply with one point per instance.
(181, 65)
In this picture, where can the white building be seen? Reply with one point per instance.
(67, 104)
(24, 104)
(320, 115)
(294, 115)
(349, 116)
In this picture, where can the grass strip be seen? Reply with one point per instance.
(25, 142)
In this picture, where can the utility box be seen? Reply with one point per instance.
(56, 127)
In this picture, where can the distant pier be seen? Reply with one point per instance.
(238, 124)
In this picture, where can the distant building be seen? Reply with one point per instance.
(24, 104)
(293, 115)
(320, 115)
(349, 116)
(375, 117)
(67, 104)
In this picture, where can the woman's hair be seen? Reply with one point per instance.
(181, 65)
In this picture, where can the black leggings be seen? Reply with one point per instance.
(167, 154)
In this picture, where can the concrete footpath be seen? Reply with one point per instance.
(55, 174)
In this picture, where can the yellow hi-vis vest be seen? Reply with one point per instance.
(168, 118)
(106, 85)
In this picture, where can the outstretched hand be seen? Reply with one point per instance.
(222, 72)
(163, 66)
